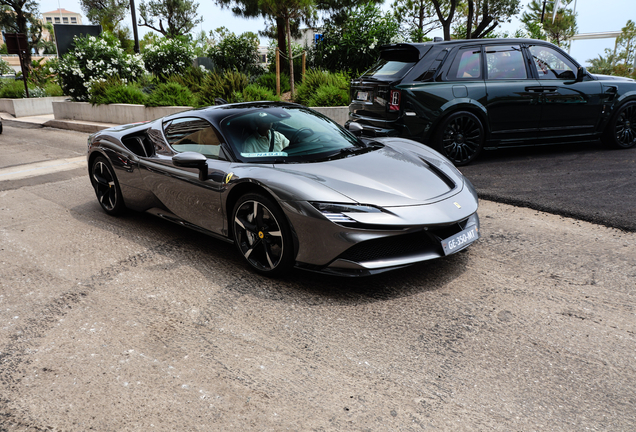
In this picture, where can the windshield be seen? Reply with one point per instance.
(286, 135)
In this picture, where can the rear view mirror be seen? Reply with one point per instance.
(191, 159)
(581, 73)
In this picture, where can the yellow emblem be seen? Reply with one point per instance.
(457, 204)
(260, 234)
(228, 177)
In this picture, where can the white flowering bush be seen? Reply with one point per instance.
(95, 60)
(168, 56)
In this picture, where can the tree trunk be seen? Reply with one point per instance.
(281, 39)
(291, 59)
(469, 23)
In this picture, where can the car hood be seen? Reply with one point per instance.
(611, 78)
(385, 177)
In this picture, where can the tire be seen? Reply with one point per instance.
(621, 130)
(262, 235)
(107, 187)
(460, 137)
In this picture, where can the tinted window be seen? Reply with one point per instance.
(505, 62)
(393, 64)
(192, 134)
(551, 64)
(466, 65)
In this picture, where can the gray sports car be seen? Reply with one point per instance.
(289, 187)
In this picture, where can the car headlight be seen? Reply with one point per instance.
(336, 212)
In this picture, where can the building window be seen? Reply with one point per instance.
(65, 20)
(73, 20)
(57, 20)
(49, 19)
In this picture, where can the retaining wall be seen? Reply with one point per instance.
(26, 107)
(125, 113)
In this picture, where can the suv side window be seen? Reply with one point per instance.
(505, 62)
(551, 64)
(193, 134)
(466, 65)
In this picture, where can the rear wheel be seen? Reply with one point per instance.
(106, 186)
(262, 234)
(621, 130)
(460, 137)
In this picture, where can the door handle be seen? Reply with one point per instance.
(534, 89)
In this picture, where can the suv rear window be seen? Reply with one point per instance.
(393, 64)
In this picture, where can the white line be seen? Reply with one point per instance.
(41, 168)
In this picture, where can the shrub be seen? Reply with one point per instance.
(314, 79)
(170, 94)
(228, 86)
(168, 56)
(53, 89)
(35, 92)
(95, 59)
(5, 69)
(268, 80)
(255, 92)
(329, 95)
(192, 78)
(13, 89)
(115, 91)
(234, 52)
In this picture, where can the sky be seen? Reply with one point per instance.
(592, 16)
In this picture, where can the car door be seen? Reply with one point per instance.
(179, 189)
(570, 107)
(513, 100)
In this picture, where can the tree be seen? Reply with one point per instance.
(416, 17)
(22, 16)
(483, 16)
(288, 10)
(558, 32)
(231, 52)
(355, 45)
(180, 16)
(108, 13)
(626, 44)
(445, 10)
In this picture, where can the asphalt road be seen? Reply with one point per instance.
(584, 181)
(133, 323)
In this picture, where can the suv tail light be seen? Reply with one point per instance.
(394, 100)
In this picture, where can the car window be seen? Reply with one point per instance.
(193, 134)
(466, 65)
(551, 64)
(393, 64)
(505, 62)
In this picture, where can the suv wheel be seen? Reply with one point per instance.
(621, 130)
(460, 137)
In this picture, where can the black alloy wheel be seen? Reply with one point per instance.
(262, 235)
(106, 186)
(621, 131)
(460, 137)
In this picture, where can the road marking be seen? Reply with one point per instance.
(41, 168)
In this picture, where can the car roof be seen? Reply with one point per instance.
(217, 113)
(424, 46)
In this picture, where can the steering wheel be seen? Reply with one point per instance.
(299, 132)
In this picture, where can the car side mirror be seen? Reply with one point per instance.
(581, 73)
(355, 128)
(192, 160)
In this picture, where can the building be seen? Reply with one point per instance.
(61, 16)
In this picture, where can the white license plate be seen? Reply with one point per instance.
(460, 240)
(363, 96)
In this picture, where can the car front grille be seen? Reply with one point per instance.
(421, 242)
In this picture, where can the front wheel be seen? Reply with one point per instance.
(106, 186)
(262, 234)
(621, 130)
(460, 137)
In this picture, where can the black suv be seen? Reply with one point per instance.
(465, 95)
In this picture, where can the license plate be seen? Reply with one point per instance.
(460, 240)
(363, 96)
